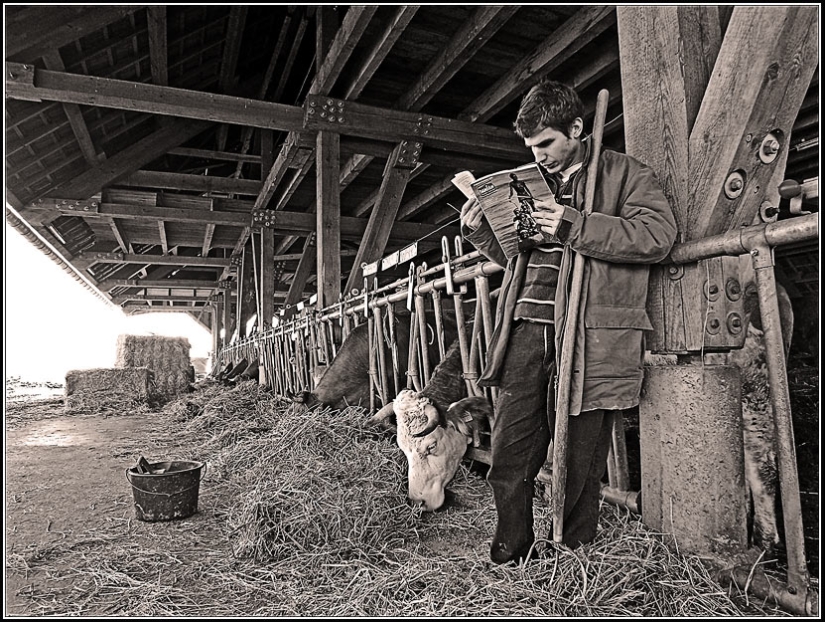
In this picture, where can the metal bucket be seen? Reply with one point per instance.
(170, 490)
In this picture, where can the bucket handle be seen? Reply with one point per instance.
(164, 494)
(203, 474)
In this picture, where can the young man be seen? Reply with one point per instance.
(630, 227)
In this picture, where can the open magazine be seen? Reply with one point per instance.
(507, 199)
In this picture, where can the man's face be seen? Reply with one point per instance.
(554, 150)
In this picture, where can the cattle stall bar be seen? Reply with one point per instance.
(241, 350)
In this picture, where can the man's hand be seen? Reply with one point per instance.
(471, 214)
(548, 216)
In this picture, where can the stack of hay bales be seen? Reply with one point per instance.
(166, 357)
(107, 390)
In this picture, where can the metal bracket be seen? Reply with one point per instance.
(263, 218)
(235, 260)
(225, 284)
(423, 125)
(323, 111)
(69, 206)
(407, 155)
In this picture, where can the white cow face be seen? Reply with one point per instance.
(432, 459)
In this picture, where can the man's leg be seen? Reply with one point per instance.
(589, 437)
(519, 439)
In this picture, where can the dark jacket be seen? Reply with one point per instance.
(630, 227)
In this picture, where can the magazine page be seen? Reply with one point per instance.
(507, 199)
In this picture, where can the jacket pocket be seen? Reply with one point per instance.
(616, 317)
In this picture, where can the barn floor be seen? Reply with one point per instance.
(73, 546)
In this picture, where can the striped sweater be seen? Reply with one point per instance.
(536, 301)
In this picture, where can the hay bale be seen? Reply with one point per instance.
(166, 357)
(107, 390)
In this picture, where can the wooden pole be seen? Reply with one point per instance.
(570, 327)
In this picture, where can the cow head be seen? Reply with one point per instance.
(434, 444)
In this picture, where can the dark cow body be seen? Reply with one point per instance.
(346, 381)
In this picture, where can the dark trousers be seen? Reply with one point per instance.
(524, 424)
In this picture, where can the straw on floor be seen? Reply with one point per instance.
(303, 513)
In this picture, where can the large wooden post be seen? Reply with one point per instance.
(327, 165)
(246, 290)
(227, 317)
(267, 293)
(217, 311)
(711, 114)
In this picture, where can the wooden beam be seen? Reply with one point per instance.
(164, 244)
(28, 83)
(760, 79)
(564, 43)
(163, 260)
(131, 159)
(215, 155)
(654, 76)
(305, 266)
(124, 297)
(329, 114)
(207, 239)
(285, 222)
(246, 305)
(35, 30)
(426, 198)
(286, 70)
(328, 218)
(475, 32)
(352, 29)
(367, 204)
(701, 37)
(217, 316)
(158, 52)
(109, 284)
(227, 316)
(264, 87)
(232, 47)
(382, 217)
(200, 183)
(470, 37)
(326, 25)
(53, 61)
(267, 280)
(378, 52)
(125, 246)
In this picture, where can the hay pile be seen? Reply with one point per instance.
(319, 498)
(304, 513)
(167, 357)
(108, 391)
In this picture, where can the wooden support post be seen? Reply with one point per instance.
(217, 309)
(246, 291)
(267, 290)
(329, 217)
(227, 317)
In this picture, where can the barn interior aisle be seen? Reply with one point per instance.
(300, 513)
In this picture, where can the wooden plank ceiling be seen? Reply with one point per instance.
(139, 139)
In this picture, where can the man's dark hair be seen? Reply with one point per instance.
(548, 104)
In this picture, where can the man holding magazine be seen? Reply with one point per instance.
(631, 226)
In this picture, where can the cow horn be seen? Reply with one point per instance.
(432, 421)
(385, 413)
